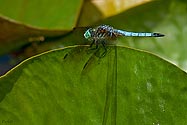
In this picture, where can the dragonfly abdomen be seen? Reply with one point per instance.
(138, 34)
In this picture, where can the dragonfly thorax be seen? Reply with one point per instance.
(103, 32)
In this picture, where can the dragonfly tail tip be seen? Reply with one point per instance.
(158, 35)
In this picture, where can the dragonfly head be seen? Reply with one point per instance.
(88, 34)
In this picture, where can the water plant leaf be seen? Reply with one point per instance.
(49, 89)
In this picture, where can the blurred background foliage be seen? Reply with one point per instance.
(32, 27)
(113, 7)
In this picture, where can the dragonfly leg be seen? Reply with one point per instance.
(96, 44)
(105, 49)
(104, 45)
(90, 49)
(92, 43)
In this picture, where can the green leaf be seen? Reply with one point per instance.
(67, 86)
(14, 35)
(45, 14)
(27, 22)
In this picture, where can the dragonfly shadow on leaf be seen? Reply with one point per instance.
(95, 59)
(84, 57)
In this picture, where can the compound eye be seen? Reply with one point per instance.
(87, 34)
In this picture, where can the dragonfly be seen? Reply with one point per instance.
(101, 34)
(104, 34)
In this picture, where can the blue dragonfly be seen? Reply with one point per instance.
(104, 33)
